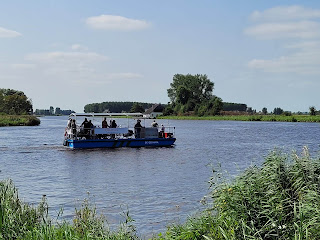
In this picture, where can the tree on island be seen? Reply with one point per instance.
(193, 93)
(14, 102)
(265, 111)
(312, 111)
(190, 87)
(277, 111)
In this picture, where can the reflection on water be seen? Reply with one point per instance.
(157, 185)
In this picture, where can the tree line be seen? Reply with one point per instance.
(14, 102)
(189, 94)
(280, 111)
(117, 107)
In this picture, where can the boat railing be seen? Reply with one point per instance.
(98, 132)
(166, 131)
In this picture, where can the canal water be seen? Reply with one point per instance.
(158, 186)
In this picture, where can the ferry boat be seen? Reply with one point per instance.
(109, 135)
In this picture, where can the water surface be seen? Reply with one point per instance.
(158, 185)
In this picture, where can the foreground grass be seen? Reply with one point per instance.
(269, 118)
(18, 120)
(19, 220)
(280, 200)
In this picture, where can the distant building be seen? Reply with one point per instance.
(58, 111)
(42, 112)
(155, 111)
(51, 112)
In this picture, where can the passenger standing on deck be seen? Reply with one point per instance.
(104, 123)
(137, 128)
(162, 131)
(113, 124)
(85, 126)
(69, 123)
(154, 124)
(90, 124)
(73, 126)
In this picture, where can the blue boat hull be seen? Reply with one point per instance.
(116, 143)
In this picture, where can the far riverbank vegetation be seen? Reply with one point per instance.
(270, 118)
(278, 200)
(191, 97)
(16, 109)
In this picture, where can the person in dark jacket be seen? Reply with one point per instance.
(113, 124)
(104, 123)
(86, 126)
(137, 128)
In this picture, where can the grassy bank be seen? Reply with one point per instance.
(280, 200)
(270, 118)
(18, 120)
(19, 220)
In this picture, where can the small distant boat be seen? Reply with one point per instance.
(87, 135)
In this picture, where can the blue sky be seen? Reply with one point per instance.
(69, 53)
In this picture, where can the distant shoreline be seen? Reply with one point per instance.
(30, 120)
(18, 120)
(265, 118)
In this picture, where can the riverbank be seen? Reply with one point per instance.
(18, 120)
(266, 118)
(279, 200)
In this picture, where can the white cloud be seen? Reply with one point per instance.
(6, 33)
(66, 56)
(304, 45)
(111, 22)
(285, 22)
(123, 76)
(23, 66)
(302, 29)
(285, 13)
(79, 47)
(109, 78)
(304, 61)
(67, 66)
(75, 67)
(289, 23)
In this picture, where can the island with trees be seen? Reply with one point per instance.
(191, 97)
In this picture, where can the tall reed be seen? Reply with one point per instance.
(279, 200)
(20, 220)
